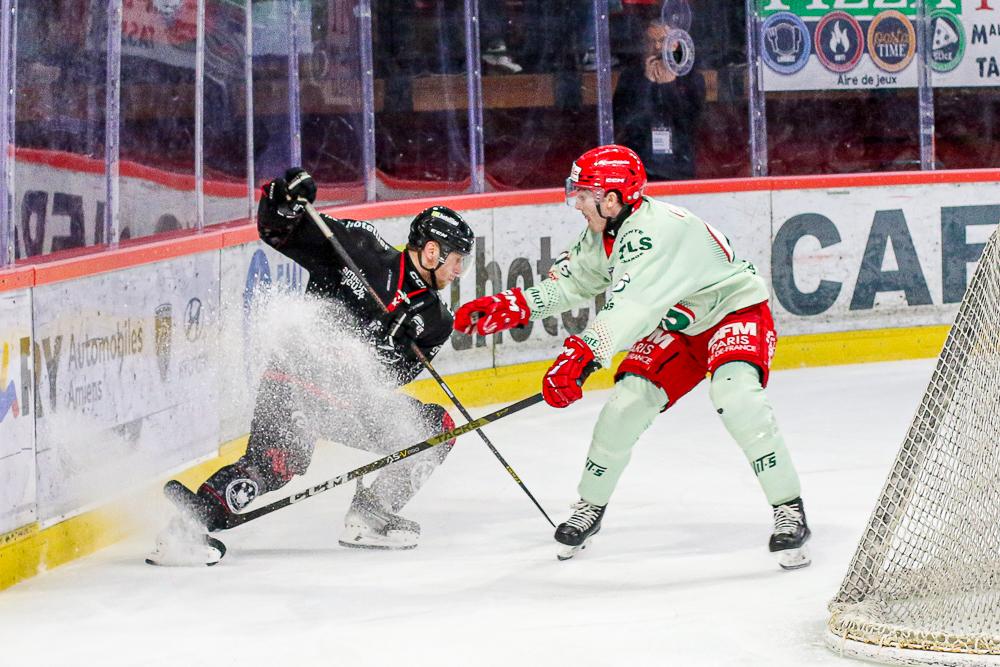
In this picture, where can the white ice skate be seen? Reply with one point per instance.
(575, 534)
(788, 542)
(368, 525)
(184, 543)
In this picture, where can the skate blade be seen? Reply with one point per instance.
(566, 552)
(379, 546)
(188, 555)
(392, 541)
(793, 559)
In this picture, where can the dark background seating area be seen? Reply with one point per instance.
(539, 87)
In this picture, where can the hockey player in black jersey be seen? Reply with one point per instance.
(283, 432)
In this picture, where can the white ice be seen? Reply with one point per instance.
(680, 574)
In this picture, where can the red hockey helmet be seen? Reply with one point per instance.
(607, 168)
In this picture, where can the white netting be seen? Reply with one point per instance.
(925, 581)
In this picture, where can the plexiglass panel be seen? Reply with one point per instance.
(272, 44)
(59, 131)
(225, 145)
(157, 117)
(680, 98)
(422, 136)
(965, 72)
(539, 89)
(967, 128)
(332, 101)
(841, 87)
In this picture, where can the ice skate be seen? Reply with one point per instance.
(576, 532)
(184, 543)
(368, 525)
(788, 542)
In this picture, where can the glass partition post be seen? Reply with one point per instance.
(474, 81)
(756, 105)
(199, 117)
(248, 101)
(605, 117)
(367, 98)
(925, 93)
(8, 44)
(294, 105)
(112, 123)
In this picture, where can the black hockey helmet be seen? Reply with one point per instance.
(446, 227)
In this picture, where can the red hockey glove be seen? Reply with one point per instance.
(495, 313)
(563, 382)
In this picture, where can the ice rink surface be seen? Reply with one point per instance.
(680, 574)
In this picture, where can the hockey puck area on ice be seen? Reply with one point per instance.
(208, 553)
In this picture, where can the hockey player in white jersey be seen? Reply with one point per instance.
(684, 306)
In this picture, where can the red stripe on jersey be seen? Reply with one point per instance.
(725, 252)
(686, 311)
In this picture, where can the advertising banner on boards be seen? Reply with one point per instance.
(17, 427)
(126, 382)
(871, 258)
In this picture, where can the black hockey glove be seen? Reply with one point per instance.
(404, 325)
(281, 207)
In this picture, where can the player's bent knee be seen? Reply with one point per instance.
(735, 388)
(632, 408)
(439, 421)
(741, 402)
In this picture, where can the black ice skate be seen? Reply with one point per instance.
(576, 532)
(790, 535)
(368, 525)
(184, 542)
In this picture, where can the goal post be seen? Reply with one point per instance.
(924, 584)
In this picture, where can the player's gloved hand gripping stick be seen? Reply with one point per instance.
(563, 382)
(418, 354)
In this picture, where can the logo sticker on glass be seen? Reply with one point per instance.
(840, 41)
(948, 42)
(785, 43)
(892, 42)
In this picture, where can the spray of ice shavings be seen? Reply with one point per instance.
(82, 464)
(336, 385)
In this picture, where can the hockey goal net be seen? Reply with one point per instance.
(924, 584)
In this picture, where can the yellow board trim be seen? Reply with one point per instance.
(27, 551)
(511, 383)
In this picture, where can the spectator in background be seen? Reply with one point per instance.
(656, 113)
(494, 30)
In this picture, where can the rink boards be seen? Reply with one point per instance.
(133, 360)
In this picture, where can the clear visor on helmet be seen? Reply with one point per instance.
(461, 261)
(575, 191)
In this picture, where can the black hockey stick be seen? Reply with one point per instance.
(233, 520)
(346, 258)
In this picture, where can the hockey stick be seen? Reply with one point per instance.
(346, 258)
(233, 520)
